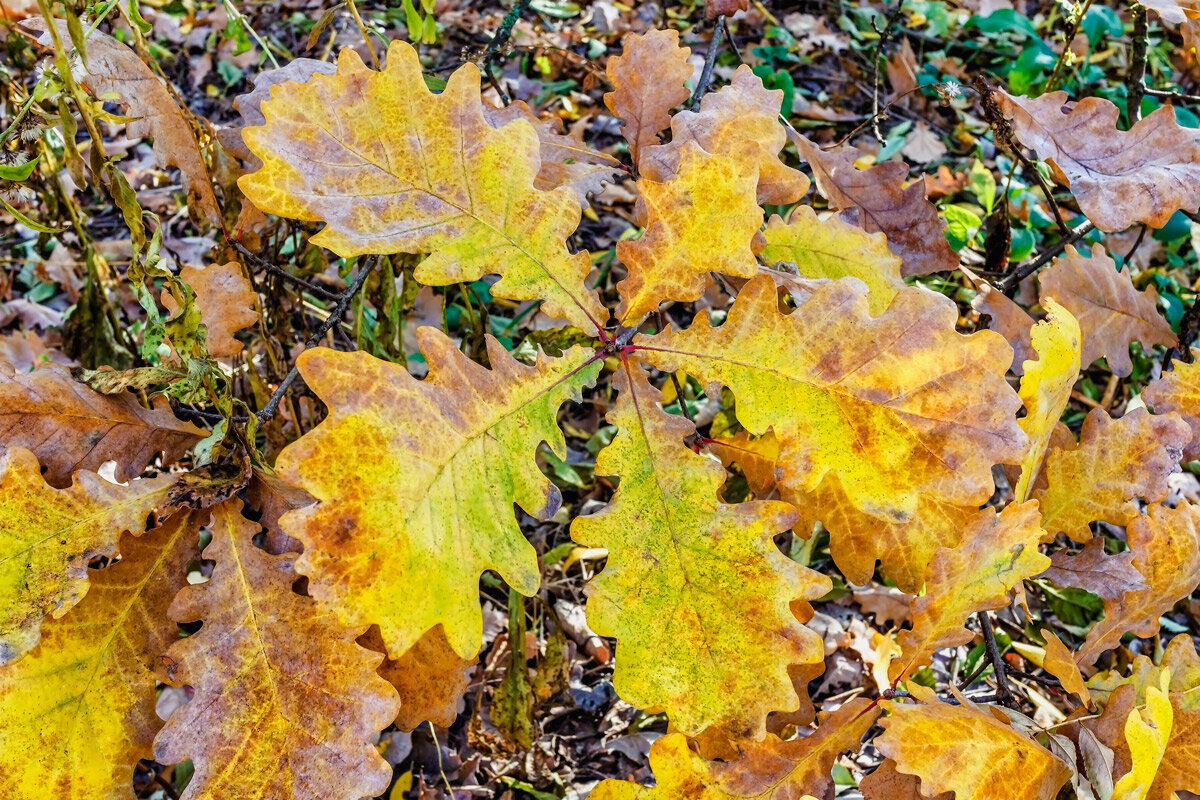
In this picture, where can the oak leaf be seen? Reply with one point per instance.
(566, 159)
(1178, 660)
(1179, 390)
(70, 426)
(1119, 178)
(1093, 570)
(249, 105)
(721, 8)
(965, 750)
(1116, 463)
(755, 456)
(1147, 731)
(833, 248)
(430, 678)
(1111, 313)
(702, 220)
(285, 704)
(1174, 12)
(1007, 319)
(887, 783)
(876, 199)
(648, 82)
(426, 504)
(1060, 663)
(77, 713)
(113, 69)
(25, 351)
(48, 536)
(740, 120)
(997, 552)
(1046, 387)
(770, 770)
(446, 182)
(1166, 552)
(702, 575)
(226, 300)
(855, 431)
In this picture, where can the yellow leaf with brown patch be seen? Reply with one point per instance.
(48, 536)
(695, 591)
(965, 750)
(873, 414)
(1117, 463)
(405, 525)
(77, 713)
(770, 770)
(997, 552)
(702, 220)
(391, 167)
(285, 703)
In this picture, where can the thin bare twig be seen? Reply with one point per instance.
(500, 40)
(1010, 281)
(335, 316)
(270, 267)
(710, 61)
(885, 35)
(1003, 690)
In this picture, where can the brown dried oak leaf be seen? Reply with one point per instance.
(286, 704)
(876, 199)
(1106, 575)
(226, 301)
(1119, 178)
(1111, 313)
(70, 426)
(648, 82)
(1179, 391)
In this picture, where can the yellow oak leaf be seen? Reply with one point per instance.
(48, 536)
(1060, 663)
(1046, 386)
(1117, 463)
(1179, 390)
(770, 770)
(285, 704)
(997, 552)
(702, 220)
(695, 591)
(741, 120)
(873, 414)
(1110, 311)
(965, 750)
(1147, 732)
(1178, 660)
(405, 527)
(77, 713)
(648, 80)
(391, 167)
(832, 248)
(1166, 551)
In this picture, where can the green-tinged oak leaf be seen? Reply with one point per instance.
(739, 120)
(1117, 463)
(704, 219)
(1110, 311)
(832, 248)
(77, 713)
(1178, 660)
(1119, 177)
(407, 524)
(1046, 387)
(391, 167)
(1179, 391)
(878, 418)
(48, 536)
(965, 750)
(1166, 552)
(285, 704)
(997, 552)
(696, 593)
(648, 80)
(770, 770)
(70, 426)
